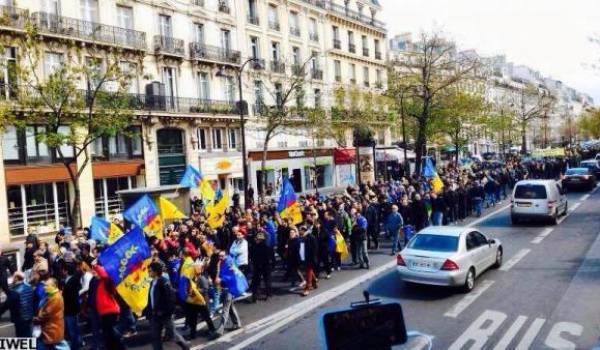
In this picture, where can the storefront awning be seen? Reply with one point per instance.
(344, 155)
(25, 175)
(117, 169)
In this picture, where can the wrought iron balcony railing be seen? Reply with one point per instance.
(201, 51)
(354, 15)
(168, 45)
(351, 48)
(259, 64)
(198, 3)
(224, 7)
(48, 23)
(298, 70)
(377, 55)
(365, 52)
(274, 25)
(253, 19)
(313, 37)
(317, 74)
(295, 31)
(12, 17)
(337, 44)
(278, 67)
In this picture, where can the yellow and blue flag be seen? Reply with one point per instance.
(104, 231)
(193, 178)
(146, 215)
(134, 287)
(125, 255)
(168, 210)
(288, 206)
(429, 171)
(216, 212)
(232, 278)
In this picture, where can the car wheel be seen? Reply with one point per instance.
(499, 256)
(469, 281)
(554, 219)
(514, 220)
(566, 209)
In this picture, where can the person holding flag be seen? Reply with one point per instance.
(145, 214)
(193, 178)
(288, 206)
(233, 284)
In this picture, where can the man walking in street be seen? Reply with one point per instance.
(20, 303)
(50, 318)
(393, 225)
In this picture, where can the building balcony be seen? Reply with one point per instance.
(353, 81)
(319, 3)
(337, 44)
(367, 84)
(224, 7)
(278, 67)
(199, 3)
(253, 19)
(298, 70)
(365, 52)
(12, 17)
(203, 52)
(345, 12)
(338, 78)
(377, 55)
(258, 64)
(379, 85)
(351, 48)
(274, 25)
(167, 45)
(313, 37)
(50, 24)
(295, 31)
(316, 74)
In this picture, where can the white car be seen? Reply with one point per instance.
(538, 199)
(448, 256)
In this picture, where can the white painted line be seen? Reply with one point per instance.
(510, 334)
(585, 197)
(6, 325)
(515, 259)
(531, 334)
(468, 299)
(542, 235)
(485, 217)
(284, 317)
(575, 206)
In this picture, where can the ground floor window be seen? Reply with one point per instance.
(105, 192)
(323, 174)
(41, 206)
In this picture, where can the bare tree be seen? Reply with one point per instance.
(532, 102)
(433, 67)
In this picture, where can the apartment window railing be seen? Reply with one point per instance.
(48, 23)
(378, 55)
(253, 19)
(258, 64)
(198, 3)
(12, 17)
(367, 84)
(352, 81)
(201, 51)
(274, 25)
(346, 12)
(298, 70)
(379, 85)
(313, 37)
(168, 45)
(278, 67)
(352, 48)
(317, 74)
(365, 52)
(338, 78)
(295, 31)
(337, 44)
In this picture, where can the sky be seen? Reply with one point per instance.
(551, 36)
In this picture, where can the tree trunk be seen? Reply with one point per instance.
(75, 221)
(263, 172)
(523, 137)
(420, 143)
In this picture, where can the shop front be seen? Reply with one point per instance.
(307, 170)
(224, 172)
(345, 167)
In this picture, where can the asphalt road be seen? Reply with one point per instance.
(544, 297)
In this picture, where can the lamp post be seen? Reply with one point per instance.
(242, 106)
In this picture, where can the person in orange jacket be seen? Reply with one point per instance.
(108, 308)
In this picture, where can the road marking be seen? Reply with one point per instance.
(5, 325)
(284, 317)
(532, 332)
(542, 235)
(480, 330)
(515, 259)
(585, 197)
(468, 299)
(487, 216)
(510, 333)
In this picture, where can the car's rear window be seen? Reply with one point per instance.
(530, 191)
(589, 165)
(577, 171)
(434, 243)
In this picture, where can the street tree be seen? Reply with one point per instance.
(589, 123)
(434, 67)
(80, 99)
(532, 102)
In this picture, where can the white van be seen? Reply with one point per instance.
(538, 199)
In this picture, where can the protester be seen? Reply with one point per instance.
(50, 318)
(19, 301)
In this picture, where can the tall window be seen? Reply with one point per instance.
(199, 33)
(378, 76)
(95, 71)
(275, 51)
(165, 27)
(296, 55)
(130, 70)
(89, 10)
(226, 39)
(125, 17)
(254, 47)
(278, 94)
(313, 29)
(353, 73)
(314, 60)
(366, 76)
(202, 139)
(52, 62)
(233, 143)
(252, 11)
(229, 89)
(351, 46)
(8, 73)
(170, 81)
(36, 150)
(10, 144)
(376, 44)
(317, 93)
(337, 65)
(336, 33)
(273, 17)
(203, 86)
(217, 138)
(66, 150)
(258, 92)
(294, 23)
(51, 7)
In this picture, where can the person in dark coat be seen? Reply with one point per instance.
(293, 257)
(419, 213)
(19, 301)
(6, 269)
(72, 306)
(372, 216)
(438, 209)
(325, 243)
(261, 266)
(307, 252)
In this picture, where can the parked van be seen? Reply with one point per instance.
(538, 199)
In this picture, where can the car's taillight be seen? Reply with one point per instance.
(400, 261)
(449, 265)
(586, 177)
(551, 204)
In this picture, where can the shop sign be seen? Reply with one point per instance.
(296, 154)
(223, 164)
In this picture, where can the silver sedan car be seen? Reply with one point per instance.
(448, 256)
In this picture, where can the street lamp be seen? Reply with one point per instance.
(242, 107)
